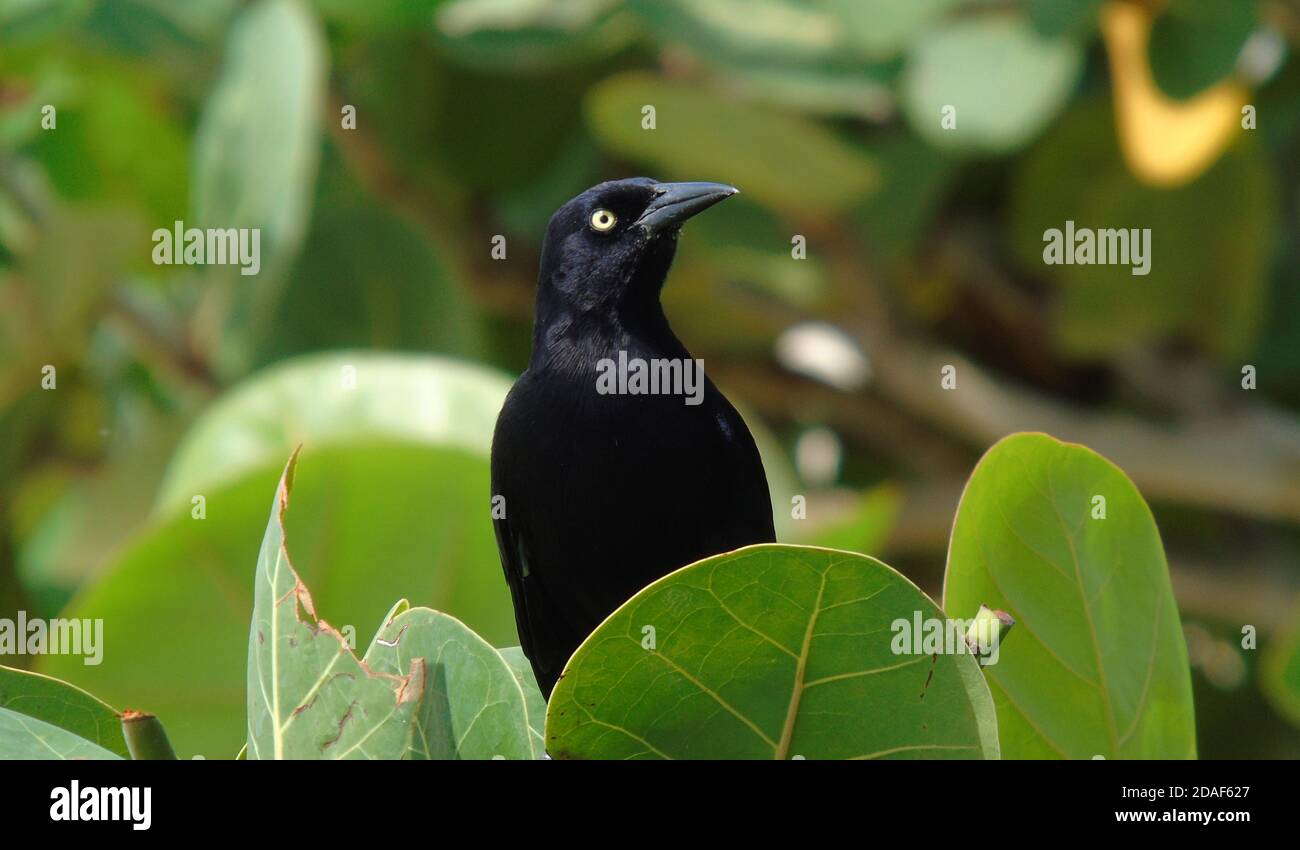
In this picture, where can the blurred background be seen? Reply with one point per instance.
(899, 160)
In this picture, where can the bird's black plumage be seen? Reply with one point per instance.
(604, 493)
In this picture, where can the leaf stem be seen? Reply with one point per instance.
(146, 740)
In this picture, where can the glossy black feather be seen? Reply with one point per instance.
(606, 493)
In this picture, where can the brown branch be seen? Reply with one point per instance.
(165, 347)
(1245, 460)
(1259, 591)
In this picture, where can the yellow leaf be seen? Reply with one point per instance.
(1165, 142)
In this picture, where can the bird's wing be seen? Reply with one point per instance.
(513, 562)
(539, 615)
(544, 619)
(740, 468)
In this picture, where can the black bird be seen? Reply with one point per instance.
(606, 492)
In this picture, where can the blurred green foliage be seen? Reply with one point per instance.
(476, 118)
(1093, 681)
(1221, 227)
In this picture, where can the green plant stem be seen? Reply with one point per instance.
(146, 740)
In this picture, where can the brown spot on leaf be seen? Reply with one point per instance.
(347, 715)
(934, 659)
(308, 704)
(395, 641)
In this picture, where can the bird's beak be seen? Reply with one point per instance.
(676, 202)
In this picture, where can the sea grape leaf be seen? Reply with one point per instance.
(1058, 536)
(397, 474)
(24, 737)
(987, 83)
(785, 161)
(309, 697)
(771, 651)
(473, 706)
(64, 705)
(534, 702)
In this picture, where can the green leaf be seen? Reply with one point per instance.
(24, 737)
(526, 208)
(20, 119)
(783, 161)
(883, 28)
(73, 535)
(117, 141)
(1099, 664)
(1003, 81)
(63, 705)
(1218, 228)
(848, 89)
(308, 695)
(377, 16)
(367, 278)
(1195, 43)
(771, 651)
(330, 399)
(750, 244)
(391, 504)
(777, 31)
(489, 153)
(808, 57)
(473, 706)
(256, 153)
(1280, 671)
(525, 35)
(1064, 17)
(21, 20)
(534, 702)
(257, 144)
(165, 35)
(917, 178)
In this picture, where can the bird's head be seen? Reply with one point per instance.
(609, 248)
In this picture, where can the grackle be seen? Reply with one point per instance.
(617, 460)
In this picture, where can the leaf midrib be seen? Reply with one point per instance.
(782, 750)
(1103, 686)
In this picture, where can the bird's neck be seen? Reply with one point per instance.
(577, 339)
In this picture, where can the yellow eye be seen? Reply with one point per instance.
(603, 221)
